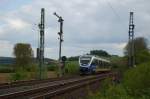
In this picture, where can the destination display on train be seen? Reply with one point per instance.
(86, 58)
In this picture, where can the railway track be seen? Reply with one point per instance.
(30, 82)
(50, 89)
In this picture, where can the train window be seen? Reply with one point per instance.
(100, 63)
(85, 61)
(94, 62)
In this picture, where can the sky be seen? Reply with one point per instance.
(88, 25)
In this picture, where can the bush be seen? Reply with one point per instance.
(116, 92)
(142, 57)
(19, 74)
(33, 71)
(137, 80)
(136, 85)
(119, 65)
(52, 67)
(109, 90)
(72, 67)
(6, 70)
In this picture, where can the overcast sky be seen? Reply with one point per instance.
(88, 24)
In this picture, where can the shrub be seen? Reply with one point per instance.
(137, 80)
(6, 70)
(52, 67)
(72, 67)
(33, 71)
(19, 74)
(109, 90)
(136, 85)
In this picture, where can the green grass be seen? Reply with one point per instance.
(6, 69)
(52, 67)
(72, 67)
(135, 85)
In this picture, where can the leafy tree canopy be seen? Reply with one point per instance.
(23, 53)
(73, 58)
(100, 53)
(140, 44)
(141, 51)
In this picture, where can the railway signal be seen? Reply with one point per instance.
(63, 62)
(131, 58)
(60, 33)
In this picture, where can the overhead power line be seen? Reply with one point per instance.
(115, 12)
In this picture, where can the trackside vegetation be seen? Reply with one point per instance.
(135, 85)
(134, 81)
(72, 68)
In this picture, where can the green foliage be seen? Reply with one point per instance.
(140, 43)
(100, 53)
(6, 69)
(24, 54)
(33, 71)
(39, 72)
(20, 74)
(72, 67)
(105, 86)
(73, 58)
(116, 92)
(119, 65)
(52, 67)
(141, 51)
(137, 81)
(44, 72)
(142, 57)
(136, 85)
(109, 90)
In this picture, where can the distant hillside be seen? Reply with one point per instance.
(11, 60)
(7, 60)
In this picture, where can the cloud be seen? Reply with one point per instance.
(88, 24)
(17, 23)
(6, 47)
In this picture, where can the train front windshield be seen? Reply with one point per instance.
(85, 60)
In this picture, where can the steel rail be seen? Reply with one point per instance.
(50, 87)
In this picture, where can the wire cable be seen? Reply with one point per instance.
(115, 12)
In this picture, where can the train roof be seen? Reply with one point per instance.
(96, 57)
(102, 59)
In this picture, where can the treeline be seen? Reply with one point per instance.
(100, 53)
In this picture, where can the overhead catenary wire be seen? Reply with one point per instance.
(115, 12)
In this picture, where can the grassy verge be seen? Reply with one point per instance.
(135, 85)
(6, 69)
(72, 68)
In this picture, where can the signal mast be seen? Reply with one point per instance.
(40, 50)
(131, 57)
(60, 33)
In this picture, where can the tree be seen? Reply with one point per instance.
(140, 43)
(24, 54)
(141, 51)
(73, 58)
(99, 53)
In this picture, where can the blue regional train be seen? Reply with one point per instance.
(89, 64)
